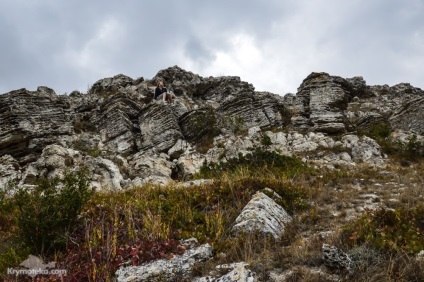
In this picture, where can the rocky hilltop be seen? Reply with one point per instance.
(126, 138)
(225, 184)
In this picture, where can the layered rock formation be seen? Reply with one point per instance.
(262, 215)
(126, 138)
(30, 120)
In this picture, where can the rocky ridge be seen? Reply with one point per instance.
(127, 139)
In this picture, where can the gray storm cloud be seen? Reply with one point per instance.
(68, 45)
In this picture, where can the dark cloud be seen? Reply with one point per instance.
(68, 45)
(197, 51)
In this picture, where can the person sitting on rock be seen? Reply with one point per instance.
(162, 92)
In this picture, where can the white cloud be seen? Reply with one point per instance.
(95, 54)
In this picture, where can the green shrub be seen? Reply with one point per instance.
(234, 123)
(204, 126)
(84, 125)
(413, 150)
(378, 131)
(7, 208)
(11, 254)
(12, 251)
(82, 147)
(391, 230)
(259, 158)
(266, 141)
(48, 212)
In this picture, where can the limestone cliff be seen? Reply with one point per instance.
(126, 138)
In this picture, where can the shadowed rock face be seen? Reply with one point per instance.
(30, 120)
(118, 121)
(256, 109)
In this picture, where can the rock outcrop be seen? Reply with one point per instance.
(30, 120)
(262, 215)
(410, 117)
(166, 269)
(128, 139)
(322, 100)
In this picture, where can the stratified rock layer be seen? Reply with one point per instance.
(30, 120)
(129, 139)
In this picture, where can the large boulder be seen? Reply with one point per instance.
(111, 85)
(238, 273)
(185, 83)
(263, 215)
(255, 109)
(182, 82)
(104, 174)
(364, 149)
(55, 160)
(150, 167)
(381, 102)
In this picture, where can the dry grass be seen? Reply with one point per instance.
(321, 203)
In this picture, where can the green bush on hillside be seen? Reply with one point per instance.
(47, 212)
(413, 150)
(258, 159)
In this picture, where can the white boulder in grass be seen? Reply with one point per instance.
(262, 214)
(167, 269)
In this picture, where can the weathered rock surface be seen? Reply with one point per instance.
(150, 167)
(159, 127)
(9, 170)
(166, 269)
(238, 273)
(410, 117)
(263, 215)
(118, 123)
(322, 99)
(334, 258)
(53, 162)
(30, 120)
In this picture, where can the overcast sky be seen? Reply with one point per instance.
(274, 44)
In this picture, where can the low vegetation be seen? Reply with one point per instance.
(91, 233)
(410, 151)
(86, 149)
(395, 230)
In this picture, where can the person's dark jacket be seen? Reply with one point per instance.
(159, 92)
